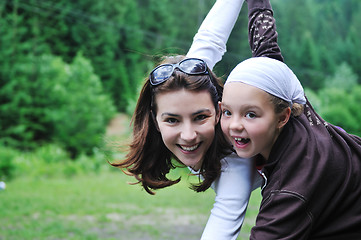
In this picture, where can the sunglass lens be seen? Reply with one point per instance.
(161, 74)
(193, 66)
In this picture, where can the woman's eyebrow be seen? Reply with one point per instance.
(169, 114)
(206, 110)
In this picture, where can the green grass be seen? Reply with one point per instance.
(104, 206)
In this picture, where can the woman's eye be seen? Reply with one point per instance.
(200, 117)
(226, 113)
(250, 115)
(171, 120)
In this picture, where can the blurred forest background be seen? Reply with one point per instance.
(67, 67)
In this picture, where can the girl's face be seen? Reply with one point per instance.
(186, 121)
(249, 120)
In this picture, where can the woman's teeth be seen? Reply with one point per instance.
(190, 148)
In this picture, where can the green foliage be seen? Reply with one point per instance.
(316, 36)
(344, 78)
(83, 109)
(49, 161)
(341, 108)
(49, 100)
(120, 38)
(309, 62)
(338, 102)
(7, 166)
(314, 98)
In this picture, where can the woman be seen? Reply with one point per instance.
(177, 116)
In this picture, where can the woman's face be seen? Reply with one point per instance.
(186, 121)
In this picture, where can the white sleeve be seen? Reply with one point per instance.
(233, 189)
(210, 41)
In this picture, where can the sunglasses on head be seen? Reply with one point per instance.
(191, 66)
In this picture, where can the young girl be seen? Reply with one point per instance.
(177, 116)
(313, 169)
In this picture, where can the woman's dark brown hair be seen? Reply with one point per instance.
(148, 159)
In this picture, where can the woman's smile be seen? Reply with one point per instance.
(190, 149)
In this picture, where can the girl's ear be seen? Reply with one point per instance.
(154, 120)
(284, 116)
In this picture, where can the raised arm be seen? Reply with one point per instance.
(210, 41)
(262, 30)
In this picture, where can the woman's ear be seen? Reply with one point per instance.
(154, 120)
(284, 116)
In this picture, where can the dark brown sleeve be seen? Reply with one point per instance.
(262, 32)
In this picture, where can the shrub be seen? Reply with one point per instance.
(48, 100)
(7, 166)
(338, 102)
(81, 120)
(51, 161)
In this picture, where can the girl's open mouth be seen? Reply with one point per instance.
(242, 141)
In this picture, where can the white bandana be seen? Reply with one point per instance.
(269, 75)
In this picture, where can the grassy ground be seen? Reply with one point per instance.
(104, 206)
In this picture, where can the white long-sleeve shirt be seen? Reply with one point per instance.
(238, 176)
(209, 43)
(233, 188)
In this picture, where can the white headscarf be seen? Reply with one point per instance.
(269, 75)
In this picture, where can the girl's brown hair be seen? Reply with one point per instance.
(281, 104)
(148, 159)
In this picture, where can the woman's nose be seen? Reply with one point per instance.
(188, 132)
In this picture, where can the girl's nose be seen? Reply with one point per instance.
(236, 124)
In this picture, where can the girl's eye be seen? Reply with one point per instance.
(226, 113)
(251, 115)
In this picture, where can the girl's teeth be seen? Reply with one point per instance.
(242, 140)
